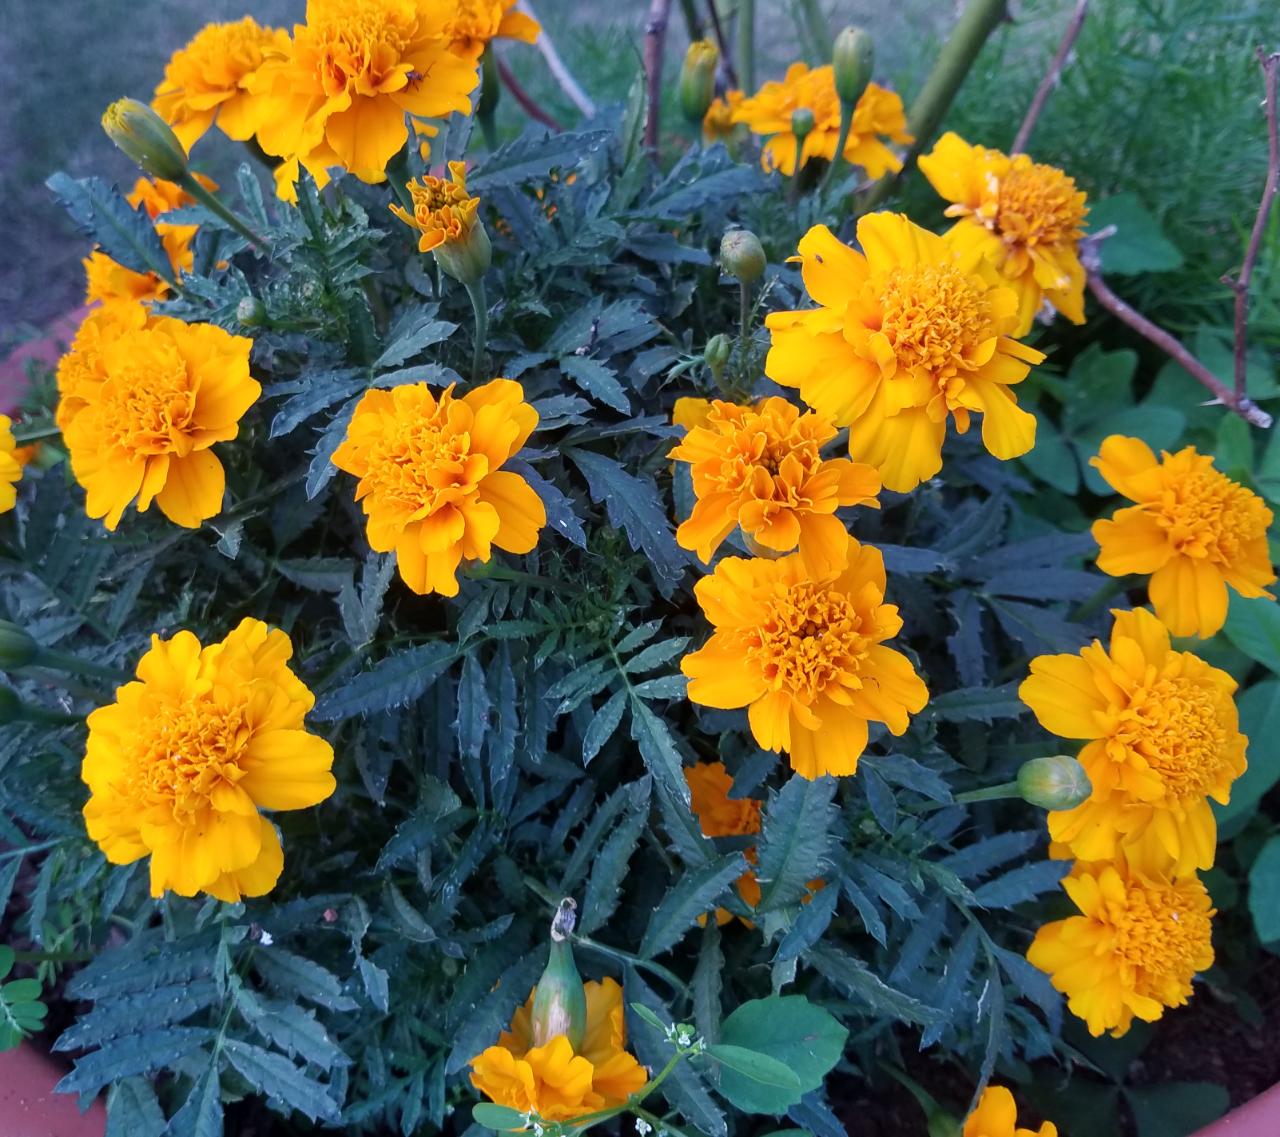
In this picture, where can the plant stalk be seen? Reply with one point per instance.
(747, 44)
(211, 203)
(744, 328)
(481, 307)
(813, 28)
(65, 661)
(842, 140)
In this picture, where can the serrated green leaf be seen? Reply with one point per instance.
(279, 1080)
(693, 895)
(603, 725)
(609, 868)
(794, 841)
(391, 682)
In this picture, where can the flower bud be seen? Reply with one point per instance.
(854, 60)
(698, 80)
(1059, 782)
(717, 352)
(468, 259)
(742, 255)
(146, 139)
(251, 312)
(17, 648)
(801, 124)
(560, 999)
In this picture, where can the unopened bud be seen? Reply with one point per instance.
(698, 80)
(1058, 782)
(717, 352)
(742, 255)
(560, 999)
(17, 648)
(801, 123)
(251, 312)
(146, 139)
(467, 259)
(854, 60)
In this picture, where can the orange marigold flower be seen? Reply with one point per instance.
(904, 338)
(179, 766)
(1024, 218)
(353, 71)
(473, 24)
(719, 123)
(81, 371)
(996, 1115)
(1163, 738)
(1139, 941)
(207, 78)
(761, 468)
(552, 1081)
(718, 813)
(10, 466)
(878, 112)
(442, 211)
(1193, 529)
(690, 411)
(431, 477)
(142, 412)
(806, 655)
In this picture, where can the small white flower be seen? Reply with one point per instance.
(643, 1127)
(267, 940)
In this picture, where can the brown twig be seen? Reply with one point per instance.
(726, 56)
(1052, 77)
(1271, 78)
(561, 73)
(526, 100)
(655, 36)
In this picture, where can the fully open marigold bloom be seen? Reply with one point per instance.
(805, 654)
(1139, 941)
(81, 371)
(144, 409)
(1163, 738)
(180, 764)
(761, 468)
(719, 121)
(207, 79)
(1023, 217)
(1193, 529)
(442, 211)
(10, 466)
(352, 72)
(431, 477)
(996, 1115)
(552, 1081)
(904, 338)
(878, 112)
(472, 24)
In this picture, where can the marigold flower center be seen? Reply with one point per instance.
(1208, 515)
(184, 752)
(810, 639)
(359, 41)
(426, 462)
(1162, 929)
(1177, 725)
(1038, 205)
(149, 402)
(933, 316)
(439, 204)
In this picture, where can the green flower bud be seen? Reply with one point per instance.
(468, 259)
(742, 255)
(560, 999)
(698, 80)
(717, 352)
(146, 139)
(251, 312)
(17, 648)
(1059, 782)
(801, 123)
(855, 58)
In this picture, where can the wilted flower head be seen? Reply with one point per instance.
(719, 122)
(878, 113)
(1140, 939)
(472, 24)
(206, 79)
(10, 467)
(904, 338)
(1193, 529)
(431, 482)
(996, 1115)
(1163, 738)
(1023, 217)
(761, 469)
(805, 654)
(180, 764)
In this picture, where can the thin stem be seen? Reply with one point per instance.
(637, 961)
(747, 43)
(399, 175)
(481, 308)
(988, 793)
(1052, 76)
(53, 956)
(65, 661)
(655, 36)
(744, 328)
(659, 1126)
(1111, 586)
(568, 84)
(211, 203)
(813, 27)
(722, 42)
(35, 434)
(842, 139)
(527, 102)
(692, 21)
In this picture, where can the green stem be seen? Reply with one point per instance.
(53, 956)
(65, 661)
(842, 139)
(659, 1126)
(481, 306)
(747, 44)
(692, 21)
(744, 329)
(988, 793)
(211, 203)
(813, 27)
(35, 434)
(399, 175)
(637, 961)
(1111, 586)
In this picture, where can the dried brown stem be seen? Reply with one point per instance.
(527, 102)
(1052, 76)
(655, 36)
(726, 56)
(1271, 78)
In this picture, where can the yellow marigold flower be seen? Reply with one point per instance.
(719, 122)
(206, 79)
(1023, 217)
(878, 112)
(1139, 941)
(145, 411)
(10, 465)
(552, 1081)
(996, 1115)
(718, 814)
(442, 210)
(1163, 738)
(180, 764)
(1193, 529)
(690, 411)
(761, 468)
(806, 655)
(903, 338)
(81, 370)
(352, 73)
(431, 477)
(473, 24)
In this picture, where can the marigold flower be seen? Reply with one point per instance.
(806, 655)
(1163, 738)
(81, 371)
(1193, 529)
(878, 112)
(206, 79)
(442, 211)
(179, 766)
(996, 1115)
(10, 466)
(431, 481)
(761, 468)
(1139, 941)
(142, 412)
(473, 24)
(690, 411)
(1023, 217)
(719, 123)
(352, 73)
(718, 814)
(552, 1081)
(904, 337)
